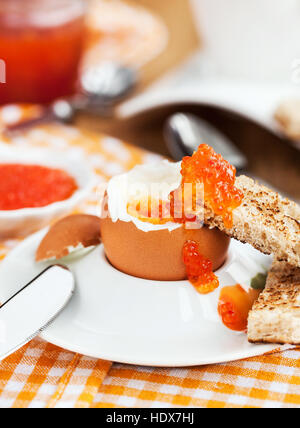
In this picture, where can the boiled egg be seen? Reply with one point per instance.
(146, 250)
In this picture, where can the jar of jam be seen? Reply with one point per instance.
(41, 43)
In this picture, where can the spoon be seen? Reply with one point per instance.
(100, 89)
(108, 83)
(185, 132)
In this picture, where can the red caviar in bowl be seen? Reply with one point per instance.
(199, 269)
(32, 186)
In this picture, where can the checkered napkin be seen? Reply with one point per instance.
(42, 375)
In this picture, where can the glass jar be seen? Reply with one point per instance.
(41, 43)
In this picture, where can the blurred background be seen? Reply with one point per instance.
(124, 67)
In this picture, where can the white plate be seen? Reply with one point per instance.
(116, 317)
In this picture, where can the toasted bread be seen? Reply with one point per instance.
(265, 220)
(275, 317)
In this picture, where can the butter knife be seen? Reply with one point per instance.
(32, 309)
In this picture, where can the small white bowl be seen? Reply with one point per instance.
(22, 222)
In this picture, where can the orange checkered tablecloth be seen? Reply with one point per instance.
(41, 375)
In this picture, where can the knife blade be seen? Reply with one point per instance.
(26, 314)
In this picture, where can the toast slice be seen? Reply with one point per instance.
(275, 317)
(265, 220)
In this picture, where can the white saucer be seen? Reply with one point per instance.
(116, 317)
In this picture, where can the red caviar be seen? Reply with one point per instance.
(199, 269)
(31, 186)
(217, 176)
(235, 303)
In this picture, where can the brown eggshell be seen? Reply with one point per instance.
(69, 232)
(157, 255)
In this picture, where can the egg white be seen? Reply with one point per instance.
(139, 181)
